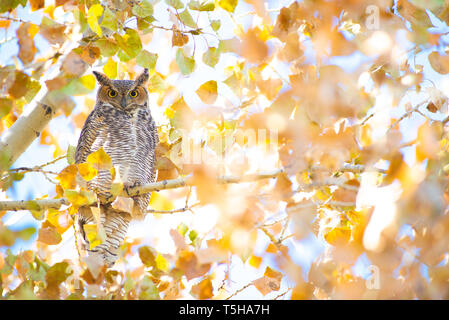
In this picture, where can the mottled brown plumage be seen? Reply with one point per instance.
(121, 123)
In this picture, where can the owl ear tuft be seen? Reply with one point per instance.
(142, 78)
(101, 78)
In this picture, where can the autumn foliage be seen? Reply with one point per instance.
(342, 102)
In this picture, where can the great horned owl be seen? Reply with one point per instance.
(121, 123)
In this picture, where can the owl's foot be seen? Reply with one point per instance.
(128, 186)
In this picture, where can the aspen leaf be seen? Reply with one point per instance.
(25, 34)
(92, 235)
(87, 171)
(254, 261)
(439, 63)
(147, 256)
(108, 47)
(147, 59)
(95, 12)
(67, 177)
(228, 5)
(204, 5)
(177, 4)
(123, 204)
(109, 20)
(143, 9)
(73, 64)
(110, 68)
(211, 56)
(188, 262)
(52, 31)
(100, 160)
(203, 290)
(215, 25)
(162, 263)
(179, 39)
(187, 19)
(37, 4)
(271, 281)
(79, 198)
(208, 92)
(49, 235)
(185, 64)
(90, 54)
(160, 202)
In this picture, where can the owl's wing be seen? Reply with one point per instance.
(91, 130)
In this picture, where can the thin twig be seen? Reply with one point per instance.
(240, 290)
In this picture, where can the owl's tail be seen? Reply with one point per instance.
(115, 224)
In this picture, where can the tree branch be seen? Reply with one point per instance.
(172, 184)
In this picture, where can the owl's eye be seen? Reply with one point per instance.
(112, 93)
(134, 93)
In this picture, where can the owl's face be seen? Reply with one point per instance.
(123, 94)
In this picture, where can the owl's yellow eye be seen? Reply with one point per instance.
(134, 93)
(112, 93)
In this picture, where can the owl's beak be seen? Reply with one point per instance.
(123, 102)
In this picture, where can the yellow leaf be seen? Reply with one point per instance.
(255, 261)
(88, 81)
(100, 160)
(80, 198)
(110, 68)
(67, 177)
(338, 236)
(160, 202)
(208, 92)
(91, 232)
(96, 212)
(95, 11)
(87, 171)
(162, 263)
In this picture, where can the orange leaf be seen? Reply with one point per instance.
(67, 177)
(203, 290)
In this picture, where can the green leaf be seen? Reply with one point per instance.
(109, 20)
(228, 5)
(156, 82)
(182, 229)
(108, 48)
(206, 5)
(147, 59)
(26, 233)
(33, 87)
(129, 43)
(177, 4)
(211, 57)
(95, 11)
(58, 273)
(193, 235)
(215, 25)
(148, 291)
(147, 255)
(9, 5)
(143, 9)
(185, 64)
(5, 106)
(80, 19)
(187, 19)
(71, 154)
